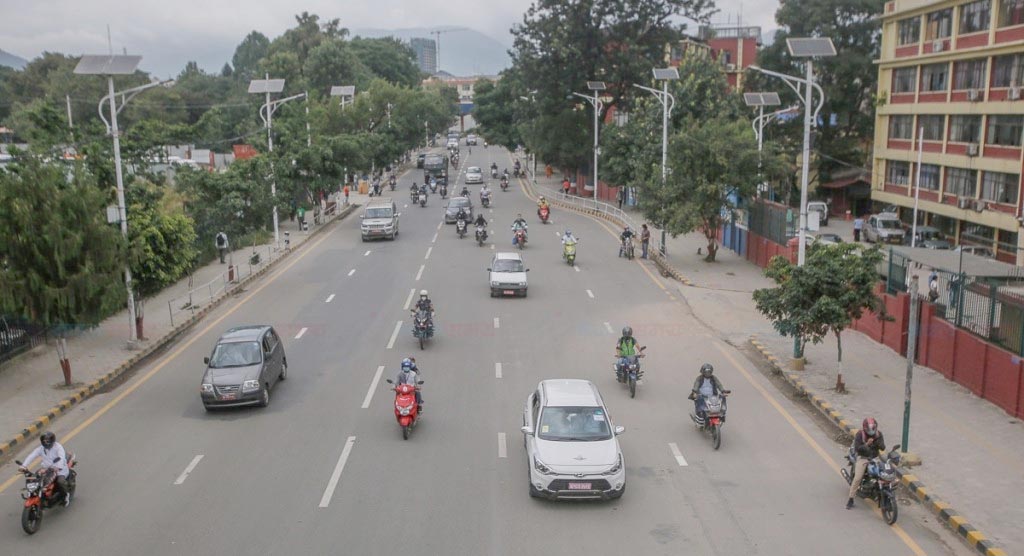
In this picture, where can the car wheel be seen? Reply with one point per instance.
(207, 408)
(493, 293)
(264, 396)
(524, 293)
(284, 371)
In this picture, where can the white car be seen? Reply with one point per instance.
(507, 276)
(474, 175)
(572, 448)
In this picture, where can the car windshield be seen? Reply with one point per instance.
(473, 170)
(381, 212)
(931, 234)
(563, 424)
(887, 224)
(458, 203)
(235, 354)
(507, 265)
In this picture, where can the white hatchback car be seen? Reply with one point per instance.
(571, 445)
(474, 175)
(507, 275)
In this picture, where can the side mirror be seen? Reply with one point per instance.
(398, 214)
(419, 382)
(619, 430)
(362, 216)
(389, 381)
(206, 360)
(527, 430)
(643, 348)
(488, 270)
(18, 461)
(527, 270)
(896, 448)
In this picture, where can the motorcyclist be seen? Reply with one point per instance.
(626, 235)
(504, 174)
(567, 237)
(480, 221)
(494, 165)
(424, 303)
(707, 384)
(625, 348)
(484, 192)
(518, 224)
(433, 183)
(410, 374)
(867, 444)
(542, 203)
(461, 215)
(464, 192)
(414, 191)
(48, 451)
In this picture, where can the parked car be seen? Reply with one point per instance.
(507, 275)
(821, 208)
(452, 209)
(976, 250)
(474, 175)
(884, 228)
(930, 238)
(419, 159)
(244, 365)
(572, 449)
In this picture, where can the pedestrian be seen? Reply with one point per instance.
(346, 190)
(933, 287)
(302, 217)
(645, 240)
(221, 242)
(858, 225)
(548, 170)
(565, 186)
(620, 196)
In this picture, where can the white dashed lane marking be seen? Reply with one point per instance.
(329, 299)
(191, 467)
(677, 454)
(301, 332)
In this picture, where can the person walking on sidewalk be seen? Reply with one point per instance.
(346, 194)
(565, 186)
(867, 444)
(221, 242)
(933, 286)
(645, 240)
(620, 196)
(858, 225)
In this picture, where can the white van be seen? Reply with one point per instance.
(379, 219)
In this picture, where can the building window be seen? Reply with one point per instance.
(974, 17)
(934, 77)
(938, 25)
(930, 176)
(1008, 241)
(909, 30)
(897, 172)
(945, 224)
(965, 129)
(904, 80)
(1000, 188)
(977, 234)
(961, 182)
(1005, 131)
(969, 74)
(933, 126)
(901, 127)
(1007, 70)
(1011, 12)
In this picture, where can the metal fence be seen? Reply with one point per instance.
(18, 336)
(771, 221)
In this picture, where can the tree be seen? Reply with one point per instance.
(833, 288)
(248, 54)
(332, 62)
(62, 262)
(237, 201)
(494, 110)
(389, 58)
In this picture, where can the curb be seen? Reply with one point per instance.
(950, 517)
(8, 447)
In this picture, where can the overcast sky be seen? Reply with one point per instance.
(168, 33)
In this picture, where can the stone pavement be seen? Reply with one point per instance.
(971, 450)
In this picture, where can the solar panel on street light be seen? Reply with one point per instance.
(761, 99)
(262, 86)
(771, 99)
(343, 91)
(811, 47)
(105, 64)
(596, 85)
(663, 74)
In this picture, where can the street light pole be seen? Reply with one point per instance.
(668, 102)
(267, 86)
(805, 166)
(122, 211)
(595, 101)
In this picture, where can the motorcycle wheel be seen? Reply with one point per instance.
(31, 518)
(421, 342)
(716, 436)
(572, 261)
(632, 387)
(890, 508)
(405, 432)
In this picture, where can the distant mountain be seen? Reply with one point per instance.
(464, 52)
(12, 61)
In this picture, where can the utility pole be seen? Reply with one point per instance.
(915, 306)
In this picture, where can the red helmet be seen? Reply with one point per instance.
(870, 426)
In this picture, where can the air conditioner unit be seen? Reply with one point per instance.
(973, 95)
(730, 67)
(972, 149)
(1014, 93)
(964, 202)
(980, 205)
(938, 46)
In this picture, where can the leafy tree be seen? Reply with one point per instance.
(389, 58)
(333, 62)
(236, 201)
(833, 288)
(226, 70)
(248, 54)
(494, 111)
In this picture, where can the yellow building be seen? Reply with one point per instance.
(954, 68)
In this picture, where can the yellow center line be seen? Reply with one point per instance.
(163, 363)
(913, 546)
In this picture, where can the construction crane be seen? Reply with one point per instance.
(437, 42)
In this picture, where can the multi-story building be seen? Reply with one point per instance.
(953, 70)
(426, 54)
(734, 47)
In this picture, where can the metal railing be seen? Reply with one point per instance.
(17, 336)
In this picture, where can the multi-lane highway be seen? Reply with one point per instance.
(324, 469)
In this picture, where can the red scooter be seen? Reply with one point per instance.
(407, 411)
(40, 493)
(544, 212)
(520, 238)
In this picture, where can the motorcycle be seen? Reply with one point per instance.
(494, 173)
(444, 191)
(40, 493)
(485, 200)
(519, 239)
(460, 228)
(504, 184)
(627, 249)
(481, 235)
(433, 187)
(630, 372)
(414, 195)
(393, 183)
(879, 483)
(714, 417)
(544, 213)
(569, 253)
(423, 198)
(407, 411)
(422, 326)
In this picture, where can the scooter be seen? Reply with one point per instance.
(407, 411)
(544, 213)
(433, 187)
(519, 239)
(40, 493)
(494, 173)
(714, 417)
(879, 483)
(569, 253)
(393, 183)
(630, 372)
(460, 228)
(444, 191)
(504, 184)
(481, 235)
(414, 195)
(423, 198)
(485, 200)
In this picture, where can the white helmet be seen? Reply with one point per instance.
(423, 293)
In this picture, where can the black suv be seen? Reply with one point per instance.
(419, 159)
(245, 364)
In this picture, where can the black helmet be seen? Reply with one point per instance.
(707, 370)
(47, 439)
(627, 331)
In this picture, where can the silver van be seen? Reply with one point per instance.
(379, 219)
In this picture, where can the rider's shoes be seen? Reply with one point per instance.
(849, 504)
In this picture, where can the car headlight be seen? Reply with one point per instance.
(615, 468)
(206, 388)
(522, 284)
(251, 385)
(493, 283)
(541, 468)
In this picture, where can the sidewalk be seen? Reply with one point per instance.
(971, 450)
(32, 383)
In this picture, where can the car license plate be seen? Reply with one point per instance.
(579, 486)
(227, 396)
(508, 292)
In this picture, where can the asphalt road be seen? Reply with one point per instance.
(263, 483)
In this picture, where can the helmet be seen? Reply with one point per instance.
(568, 232)
(406, 364)
(870, 426)
(707, 370)
(423, 293)
(542, 198)
(47, 439)
(626, 228)
(627, 331)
